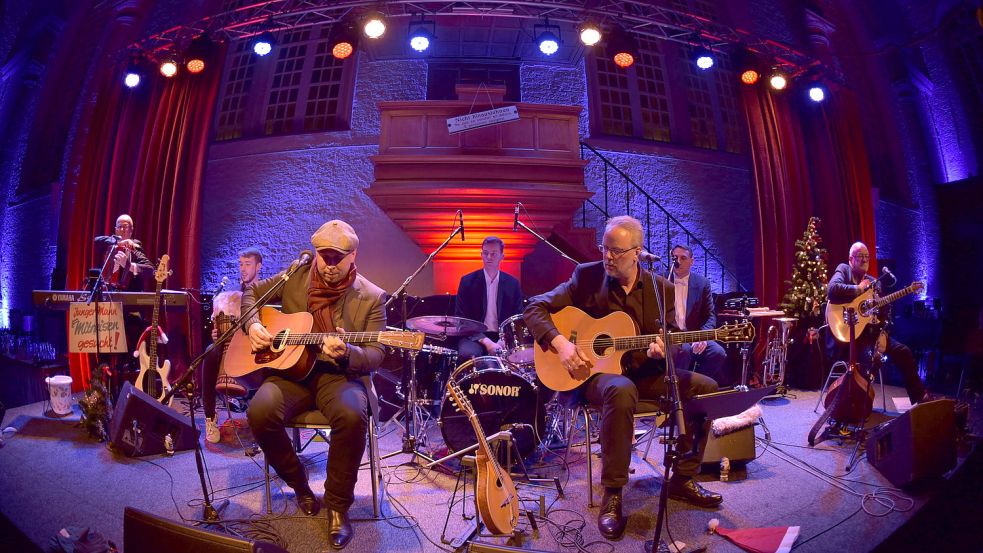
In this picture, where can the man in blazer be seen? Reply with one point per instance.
(695, 311)
(340, 300)
(618, 283)
(488, 295)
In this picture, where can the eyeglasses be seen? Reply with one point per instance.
(615, 252)
(861, 256)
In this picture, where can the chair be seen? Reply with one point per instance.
(316, 421)
(645, 409)
(838, 369)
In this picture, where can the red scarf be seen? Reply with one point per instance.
(321, 296)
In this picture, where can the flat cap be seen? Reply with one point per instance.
(335, 235)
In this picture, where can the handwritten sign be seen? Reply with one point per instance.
(482, 119)
(86, 335)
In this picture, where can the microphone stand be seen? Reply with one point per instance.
(676, 418)
(410, 398)
(210, 512)
(547, 242)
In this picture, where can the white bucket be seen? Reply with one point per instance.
(60, 388)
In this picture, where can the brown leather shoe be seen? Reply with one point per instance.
(307, 501)
(686, 489)
(610, 522)
(340, 529)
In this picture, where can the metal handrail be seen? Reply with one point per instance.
(631, 185)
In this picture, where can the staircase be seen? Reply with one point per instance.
(661, 227)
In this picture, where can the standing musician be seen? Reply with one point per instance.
(695, 311)
(340, 300)
(618, 283)
(848, 282)
(489, 295)
(129, 264)
(228, 303)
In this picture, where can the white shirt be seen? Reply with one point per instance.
(491, 298)
(682, 290)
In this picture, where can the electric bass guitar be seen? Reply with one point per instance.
(292, 335)
(865, 305)
(152, 379)
(604, 341)
(497, 498)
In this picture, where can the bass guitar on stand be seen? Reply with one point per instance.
(153, 379)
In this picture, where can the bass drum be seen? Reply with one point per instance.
(501, 397)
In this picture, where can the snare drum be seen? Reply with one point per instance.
(433, 365)
(518, 341)
(501, 396)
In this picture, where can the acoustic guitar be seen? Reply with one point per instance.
(290, 355)
(865, 305)
(152, 379)
(604, 341)
(497, 498)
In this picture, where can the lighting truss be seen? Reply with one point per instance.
(638, 17)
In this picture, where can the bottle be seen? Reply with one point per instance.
(724, 469)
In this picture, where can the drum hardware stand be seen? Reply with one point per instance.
(742, 305)
(412, 431)
(519, 224)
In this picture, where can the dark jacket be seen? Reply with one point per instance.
(471, 301)
(700, 314)
(588, 290)
(841, 287)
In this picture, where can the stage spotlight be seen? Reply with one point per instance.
(747, 65)
(375, 25)
(547, 37)
(622, 48)
(344, 39)
(197, 53)
(704, 57)
(168, 67)
(778, 80)
(590, 33)
(750, 77)
(132, 78)
(421, 35)
(817, 92)
(264, 43)
(135, 72)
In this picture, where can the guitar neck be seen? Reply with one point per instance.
(642, 342)
(895, 296)
(153, 327)
(315, 338)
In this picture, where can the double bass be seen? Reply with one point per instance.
(850, 399)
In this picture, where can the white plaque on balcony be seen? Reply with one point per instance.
(482, 119)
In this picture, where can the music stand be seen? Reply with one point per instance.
(725, 403)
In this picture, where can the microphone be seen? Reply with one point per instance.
(304, 258)
(648, 256)
(460, 215)
(515, 221)
(887, 272)
(675, 262)
(221, 286)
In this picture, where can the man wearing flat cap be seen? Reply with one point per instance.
(340, 300)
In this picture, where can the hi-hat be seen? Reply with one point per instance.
(445, 324)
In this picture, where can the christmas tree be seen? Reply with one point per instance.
(96, 407)
(806, 292)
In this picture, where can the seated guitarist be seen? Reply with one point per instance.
(618, 283)
(340, 300)
(848, 282)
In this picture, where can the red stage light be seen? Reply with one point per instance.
(624, 60)
(342, 50)
(196, 65)
(750, 77)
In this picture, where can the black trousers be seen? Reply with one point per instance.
(617, 396)
(209, 377)
(343, 401)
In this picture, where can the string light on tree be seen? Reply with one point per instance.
(806, 291)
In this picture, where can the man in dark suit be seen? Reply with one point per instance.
(695, 311)
(488, 295)
(340, 300)
(618, 283)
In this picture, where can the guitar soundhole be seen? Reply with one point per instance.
(279, 339)
(601, 345)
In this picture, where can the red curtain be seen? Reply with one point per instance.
(144, 155)
(807, 160)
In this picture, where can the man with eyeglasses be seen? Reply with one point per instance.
(340, 300)
(849, 281)
(618, 283)
(130, 264)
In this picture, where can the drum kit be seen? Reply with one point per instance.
(502, 388)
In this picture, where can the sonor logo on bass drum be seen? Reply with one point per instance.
(493, 390)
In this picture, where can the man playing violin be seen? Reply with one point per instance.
(125, 271)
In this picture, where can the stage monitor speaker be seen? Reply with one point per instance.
(738, 446)
(920, 443)
(149, 533)
(140, 424)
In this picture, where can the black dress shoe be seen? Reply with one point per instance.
(307, 501)
(340, 530)
(686, 489)
(610, 521)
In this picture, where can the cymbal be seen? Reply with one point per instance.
(445, 324)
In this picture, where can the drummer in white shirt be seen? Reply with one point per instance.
(488, 295)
